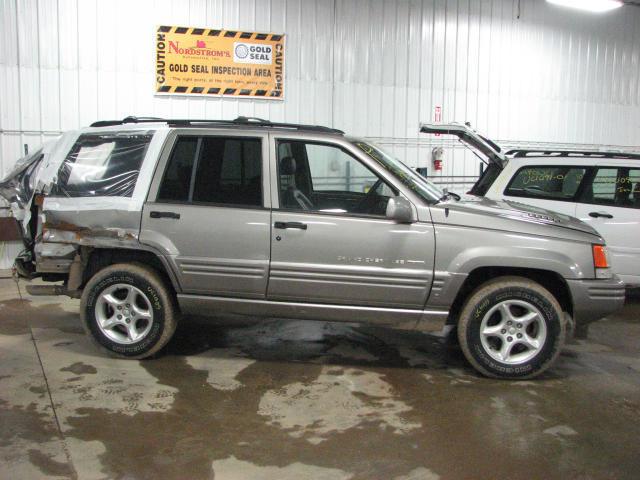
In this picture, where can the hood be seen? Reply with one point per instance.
(509, 210)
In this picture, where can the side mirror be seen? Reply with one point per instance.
(400, 210)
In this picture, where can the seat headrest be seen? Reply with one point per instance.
(287, 166)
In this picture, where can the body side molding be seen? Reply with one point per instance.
(432, 320)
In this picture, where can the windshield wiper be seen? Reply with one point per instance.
(447, 195)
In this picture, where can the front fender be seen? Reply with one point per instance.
(461, 250)
(517, 257)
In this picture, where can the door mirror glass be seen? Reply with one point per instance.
(400, 210)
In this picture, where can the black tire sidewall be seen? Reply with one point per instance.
(532, 366)
(155, 334)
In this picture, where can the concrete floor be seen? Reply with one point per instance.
(297, 400)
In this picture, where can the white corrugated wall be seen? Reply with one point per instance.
(373, 68)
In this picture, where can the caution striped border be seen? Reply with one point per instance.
(212, 32)
(220, 91)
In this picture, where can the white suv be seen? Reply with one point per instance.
(600, 188)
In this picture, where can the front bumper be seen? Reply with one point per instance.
(594, 299)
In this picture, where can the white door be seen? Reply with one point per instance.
(611, 204)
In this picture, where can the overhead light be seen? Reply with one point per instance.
(597, 6)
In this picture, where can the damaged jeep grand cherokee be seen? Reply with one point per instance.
(148, 219)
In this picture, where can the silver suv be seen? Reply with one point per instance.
(145, 219)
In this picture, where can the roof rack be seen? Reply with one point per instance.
(573, 153)
(240, 121)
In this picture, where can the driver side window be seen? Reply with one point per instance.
(325, 178)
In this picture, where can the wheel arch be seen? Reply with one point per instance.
(552, 281)
(95, 259)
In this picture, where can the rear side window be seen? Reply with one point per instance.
(614, 186)
(103, 165)
(229, 172)
(214, 170)
(177, 177)
(548, 182)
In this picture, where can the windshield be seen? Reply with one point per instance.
(417, 183)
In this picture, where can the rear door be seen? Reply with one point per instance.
(611, 205)
(208, 211)
(331, 240)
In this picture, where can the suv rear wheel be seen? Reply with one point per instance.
(511, 328)
(128, 310)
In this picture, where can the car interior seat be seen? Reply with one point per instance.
(291, 196)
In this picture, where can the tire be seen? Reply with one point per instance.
(522, 349)
(131, 292)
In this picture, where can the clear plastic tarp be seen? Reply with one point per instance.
(18, 186)
(102, 165)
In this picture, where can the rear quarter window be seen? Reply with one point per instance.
(548, 182)
(103, 165)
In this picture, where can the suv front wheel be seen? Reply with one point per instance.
(511, 328)
(128, 310)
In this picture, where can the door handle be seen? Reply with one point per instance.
(600, 214)
(173, 215)
(283, 225)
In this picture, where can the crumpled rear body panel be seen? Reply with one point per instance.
(96, 226)
(81, 199)
(18, 186)
(17, 190)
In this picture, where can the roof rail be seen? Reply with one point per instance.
(572, 153)
(244, 121)
(130, 119)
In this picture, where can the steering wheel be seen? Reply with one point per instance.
(370, 200)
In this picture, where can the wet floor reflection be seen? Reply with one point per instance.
(234, 398)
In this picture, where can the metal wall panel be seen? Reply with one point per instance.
(374, 68)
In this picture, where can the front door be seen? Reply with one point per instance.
(611, 205)
(331, 240)
(208, 212)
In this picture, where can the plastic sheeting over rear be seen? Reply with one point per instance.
(102, 165)
(18, 186)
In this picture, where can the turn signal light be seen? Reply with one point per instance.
(600, 256)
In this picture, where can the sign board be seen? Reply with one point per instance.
(204, 61)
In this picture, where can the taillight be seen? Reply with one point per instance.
(600, 259)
